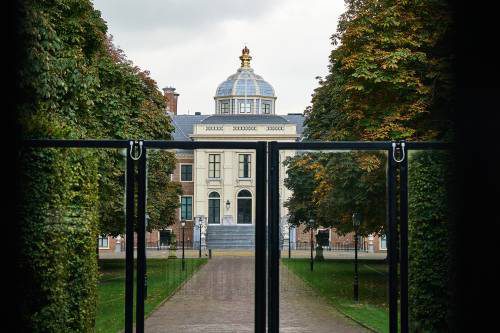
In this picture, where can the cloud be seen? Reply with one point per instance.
(146, 15)
(195, 45)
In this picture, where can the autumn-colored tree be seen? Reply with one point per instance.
(390, 74)
(330, 187)
(391, 78)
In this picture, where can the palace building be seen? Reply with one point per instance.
(219, 185)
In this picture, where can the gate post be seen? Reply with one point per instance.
(403, 228)
(141, 242)
(129, 241)
(392, 252)
(260, 238)
(273, 220)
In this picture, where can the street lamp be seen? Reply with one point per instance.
(183, 224)
(311, 223)
(289, 240)
(356, 222)
(200, 220)
(228, 204)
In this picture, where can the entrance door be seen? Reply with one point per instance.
(244, 207)
(214, 208)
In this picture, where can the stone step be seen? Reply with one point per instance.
(231, 236)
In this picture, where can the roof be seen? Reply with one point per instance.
(297, 119)
(244, 83)
(184, 123)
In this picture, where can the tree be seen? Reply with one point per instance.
(390, 74)
(391, 78)
(75, 84)
(163, 194)
(301, 170)
(330, 187)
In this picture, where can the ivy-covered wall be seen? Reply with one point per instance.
(430, 240)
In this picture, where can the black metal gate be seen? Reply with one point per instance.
(397, 153)
(267, 213)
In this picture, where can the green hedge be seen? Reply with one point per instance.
(58, 240)
(430, 218)
(74, 84)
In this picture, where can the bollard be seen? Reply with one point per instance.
(209, 253)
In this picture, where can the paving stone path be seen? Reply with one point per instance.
(220, 298)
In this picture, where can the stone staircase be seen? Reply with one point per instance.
(231, 236)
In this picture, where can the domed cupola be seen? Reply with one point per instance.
(245, 92)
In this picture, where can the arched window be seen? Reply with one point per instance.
(214, 208)
(244, 207)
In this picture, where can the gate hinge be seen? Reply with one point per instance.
(136, 146)
(398, 149)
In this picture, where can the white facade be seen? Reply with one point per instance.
(229, 184)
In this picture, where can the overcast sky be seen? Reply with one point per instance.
(194, 45)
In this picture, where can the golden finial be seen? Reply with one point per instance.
(245, 57)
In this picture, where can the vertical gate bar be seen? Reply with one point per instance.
(141, 242)
(392, 253)
(129, 239)
(260, 238)
(403, 228)
(273, 263)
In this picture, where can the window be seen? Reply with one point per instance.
(214, 208)
(244, 207)
(165, 237)
(103, 242)
(323, 237)
(214, 166)
(224, 107)
(245, 107)
(186, 172)
(266, 107)
(186, 208)
(383, 242)
(244, 165)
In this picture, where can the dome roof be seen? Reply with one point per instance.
(245, 82)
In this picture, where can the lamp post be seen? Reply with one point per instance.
(183, 224)
(199, 228)
(356, 221)
(311, 223)
(289, 240)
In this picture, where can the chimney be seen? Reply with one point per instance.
(171, 98)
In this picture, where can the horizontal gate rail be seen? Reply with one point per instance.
(361, 145)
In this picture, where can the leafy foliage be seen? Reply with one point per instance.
(390, 78)
(390, 74)
(76, 84)
(163, 194)
(330, 187)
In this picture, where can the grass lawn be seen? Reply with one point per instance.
(334, 280)
(164, 277)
